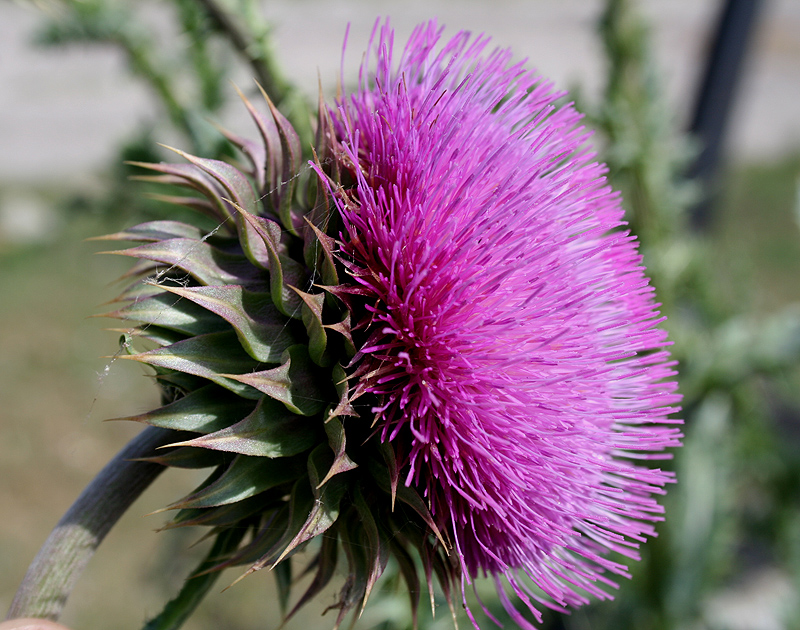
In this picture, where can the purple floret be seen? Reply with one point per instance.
(511, 338)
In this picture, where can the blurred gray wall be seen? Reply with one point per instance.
(62, 111)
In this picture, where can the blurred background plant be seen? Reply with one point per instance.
(186, 53)
(728, 555)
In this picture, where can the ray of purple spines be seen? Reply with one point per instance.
(511, 336)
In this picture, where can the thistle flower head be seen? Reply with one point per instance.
(446, 346)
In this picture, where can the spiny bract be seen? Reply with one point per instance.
(436, 345)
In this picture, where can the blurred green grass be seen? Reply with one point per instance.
(755, 240)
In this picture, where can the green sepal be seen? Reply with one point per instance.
(295, 383)
(291, 160)
(358, 567)
(259, 251)
(236, 186)
(207, 264)
(299, 507)
(178, 610)
(343, 407)
(312, 319)
(344, 329)
(152, 231)
(269, 431)
(446, 568)
(407, 495)
(205, 410)
(255, 152)
(318, 198)
(326, 141)
(308, 516)
(149, 285)
(283, 580)
(169, 312)
(408, 569)
(264, 542)
(272, 150)
(171, 380)
(324, 510)
(222, 516)
(336, 440)
(284, 272)
(339, 376)
(389, 458)
(139, 290)
(323, 513)
(244, 478)
(425, 552)
(240, 194)
(203, 206)
(435, 559)
(151, 332)
(139, 270)
(187, 457)
(209, 356)
(374, 543)
(262, 330)
(319, 462)
(318, 254)
(188, 176)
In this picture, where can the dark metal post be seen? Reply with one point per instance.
(717, 93)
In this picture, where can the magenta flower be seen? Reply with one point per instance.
(455, 362)
(509, 343)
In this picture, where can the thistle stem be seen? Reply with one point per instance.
(60, 562)
(253, 49)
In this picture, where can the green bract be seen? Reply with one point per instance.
(249, 342)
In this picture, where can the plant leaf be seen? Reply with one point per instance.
(284, 272)
(407, 495)
(210, 356)
(207, 264)
(374, 546)
(204, 410)
(152, 231)
(312, 319)
(263, 332)
(325, 508)
(189, 176)
(187, 458)
(269, 431)
(234, 183)
(169, 312)
(295, 383)
(336, 440)
(221, 516)
(244, 478)
(292, 157)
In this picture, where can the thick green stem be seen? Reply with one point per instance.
(248, 34)
(60, 562)
(254, 50)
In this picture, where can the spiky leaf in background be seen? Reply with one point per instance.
(437, 343)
